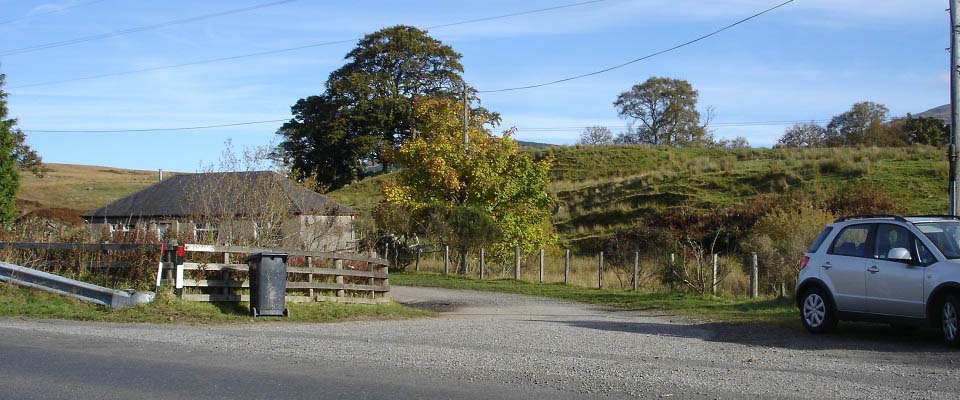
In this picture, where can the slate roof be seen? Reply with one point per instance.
(184, 195)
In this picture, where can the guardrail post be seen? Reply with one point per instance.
(566, 267)
(600, 272)
(636, 270)
(516, 262)
(541, 265)
(754, 284)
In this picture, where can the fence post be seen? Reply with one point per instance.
(566, 267)
(338, 264)
(309, 262)
(419, 250)
(482, 263)
(541, 265)
(225, 273)
(636, 270)
(516, 262)
(754, 284)
(446, 260)
(713, 287)
(600, 272)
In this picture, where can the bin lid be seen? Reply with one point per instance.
(258, 256)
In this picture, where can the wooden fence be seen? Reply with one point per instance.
(351, 278)
(311, 276)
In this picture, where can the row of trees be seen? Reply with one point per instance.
(867, 124)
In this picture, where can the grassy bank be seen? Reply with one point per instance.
(603, 188)
(766, 311)
(26, 303)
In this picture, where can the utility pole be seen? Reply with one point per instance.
(466, 109)
(954, 108)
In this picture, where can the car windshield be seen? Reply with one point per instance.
(944, 235)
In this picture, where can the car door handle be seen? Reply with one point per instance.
(826, 266)
(873, 269)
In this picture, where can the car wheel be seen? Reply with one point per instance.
(816, 311)
(948, 320)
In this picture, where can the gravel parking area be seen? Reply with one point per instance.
(500, 345)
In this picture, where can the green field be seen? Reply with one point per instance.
(602, 188)
(27, 303)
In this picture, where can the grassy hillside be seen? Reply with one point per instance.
(79, 188)
(600, 189)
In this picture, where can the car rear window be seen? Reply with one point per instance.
(851, 241)
(819, 240)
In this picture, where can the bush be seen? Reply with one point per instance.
(861, 198)
(780, 239)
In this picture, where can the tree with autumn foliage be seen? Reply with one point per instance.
(487, 194)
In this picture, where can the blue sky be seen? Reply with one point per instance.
(807, 61)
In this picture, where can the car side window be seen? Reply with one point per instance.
(924, 254)
(851, 241)
(890, 237)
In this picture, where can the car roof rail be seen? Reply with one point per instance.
(866, 216)
(944, 216)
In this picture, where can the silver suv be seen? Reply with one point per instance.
(883, 268)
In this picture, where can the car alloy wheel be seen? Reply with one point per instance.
(814, 310)
(949, 319)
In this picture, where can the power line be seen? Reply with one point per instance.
(187, 128)
(290, 49)
(50, 45)
(12, 20)
(608, 69)
(714, 124)
(537, 129)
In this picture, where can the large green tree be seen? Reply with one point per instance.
(367, 107)
(665, 113)
(862, 125)
(489, 193)
(9, 178)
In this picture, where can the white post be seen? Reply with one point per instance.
(541, 265)
(713, 287)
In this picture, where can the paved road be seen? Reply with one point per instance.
(484, 345)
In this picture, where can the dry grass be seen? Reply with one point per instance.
(79, 188)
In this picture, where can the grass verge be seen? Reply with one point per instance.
(20, 302)
(781, 312)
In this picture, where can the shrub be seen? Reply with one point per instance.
(861, 198)
(780, 239)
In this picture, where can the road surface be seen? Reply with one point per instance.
(484, 345)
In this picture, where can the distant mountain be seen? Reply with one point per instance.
(535, 145)
(942, 113)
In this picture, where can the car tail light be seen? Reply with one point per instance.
(804, 261)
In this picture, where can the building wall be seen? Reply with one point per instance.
(302, 232)
(322, 232)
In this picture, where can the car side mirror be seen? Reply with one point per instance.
(899, 254)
